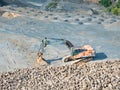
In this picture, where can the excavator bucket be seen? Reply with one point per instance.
(40, 59)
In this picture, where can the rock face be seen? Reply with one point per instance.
(12, 2)
(89, 76)
(81, 1)
(25, 2)
(2, 3)
(75, 1)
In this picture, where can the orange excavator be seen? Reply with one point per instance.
(85, 52)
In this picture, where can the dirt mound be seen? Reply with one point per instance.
(90, 76)
(10, 15)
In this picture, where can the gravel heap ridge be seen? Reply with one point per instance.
(103, 75)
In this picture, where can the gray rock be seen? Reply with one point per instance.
(55, 18)
(77, 19)
(46, 16)
(98, 22)
(66, 20)
(80, 23)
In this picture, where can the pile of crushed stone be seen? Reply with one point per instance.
(8, 14)
(103, 75)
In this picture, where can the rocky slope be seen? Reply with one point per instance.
(41, 4)
(12, 2)
(81, 1)
(83, 76)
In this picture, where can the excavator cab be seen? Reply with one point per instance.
(77, 51)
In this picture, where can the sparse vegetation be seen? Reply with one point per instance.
(52, 4)
(113, 7)
(116, 10)
(105, 3)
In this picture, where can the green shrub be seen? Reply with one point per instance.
(111, 7)
(118, 4)
(116, 10)
(52, 4)
(108, 9)
(105, 3)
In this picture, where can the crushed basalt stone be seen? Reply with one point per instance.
(103, 75)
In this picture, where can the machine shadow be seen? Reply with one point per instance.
(49, 61)
(100, 56)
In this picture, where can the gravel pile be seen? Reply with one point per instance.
(89, 76)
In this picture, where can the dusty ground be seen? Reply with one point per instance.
(103, 75)
(20, 37)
